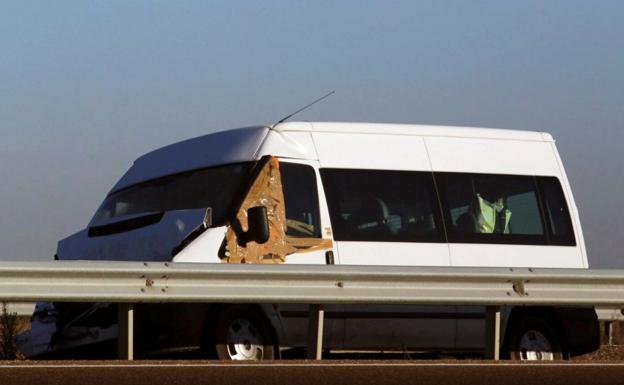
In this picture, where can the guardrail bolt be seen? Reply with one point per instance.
(149, 282)
(339, 284)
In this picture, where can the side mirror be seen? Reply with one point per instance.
(258, 224)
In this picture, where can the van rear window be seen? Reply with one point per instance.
(485, 208)
(556, 212)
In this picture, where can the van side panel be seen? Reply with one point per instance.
(482, 255)
(492, 156)
(369, 151)
(574, 214)
(395, 253)
(381, 327)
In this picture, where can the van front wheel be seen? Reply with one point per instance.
(533, 339)
(242, 334)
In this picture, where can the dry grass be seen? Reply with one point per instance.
(614, 352)
(8, 332)
(605, 353)
(10, 326)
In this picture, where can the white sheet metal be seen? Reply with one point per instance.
(371, 151)
(494, 156)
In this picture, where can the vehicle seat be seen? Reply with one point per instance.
(373, 217)
(467, 223)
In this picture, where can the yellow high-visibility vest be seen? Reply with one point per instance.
(487, 212)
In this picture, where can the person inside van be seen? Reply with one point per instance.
(493, 217)
(486, 212)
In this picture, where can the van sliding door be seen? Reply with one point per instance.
(382, 217)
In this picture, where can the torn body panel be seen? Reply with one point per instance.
(266, 190)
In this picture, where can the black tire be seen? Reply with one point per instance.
(533, 338)
(241, 333)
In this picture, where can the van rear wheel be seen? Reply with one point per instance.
(533, 339)
(241, 333)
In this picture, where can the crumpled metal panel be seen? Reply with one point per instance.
(266, 191)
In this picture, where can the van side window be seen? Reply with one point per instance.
(300, 200)
(383, 206)
(556, 212)
(481, 208)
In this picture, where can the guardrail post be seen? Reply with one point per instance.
(315, 332)
(125, 327)
(492, 332)
(609, 328)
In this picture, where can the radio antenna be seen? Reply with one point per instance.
(304, 107)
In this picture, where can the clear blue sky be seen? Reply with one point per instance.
(87, 86)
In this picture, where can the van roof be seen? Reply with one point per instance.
(414, 129)
(223, 147)
(242, 144)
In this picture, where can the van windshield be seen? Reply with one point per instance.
(213, 187)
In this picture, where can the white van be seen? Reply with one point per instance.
(344, 193)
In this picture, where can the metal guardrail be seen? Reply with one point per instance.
(136, 282)
(610, 314)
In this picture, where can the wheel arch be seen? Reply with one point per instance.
(212, 314)
(547, 313)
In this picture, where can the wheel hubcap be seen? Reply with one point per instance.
(244, 342)
(534, 346)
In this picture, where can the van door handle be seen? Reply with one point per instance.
(329, 257)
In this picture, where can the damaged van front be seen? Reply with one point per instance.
(164, 202)
(153, 220)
